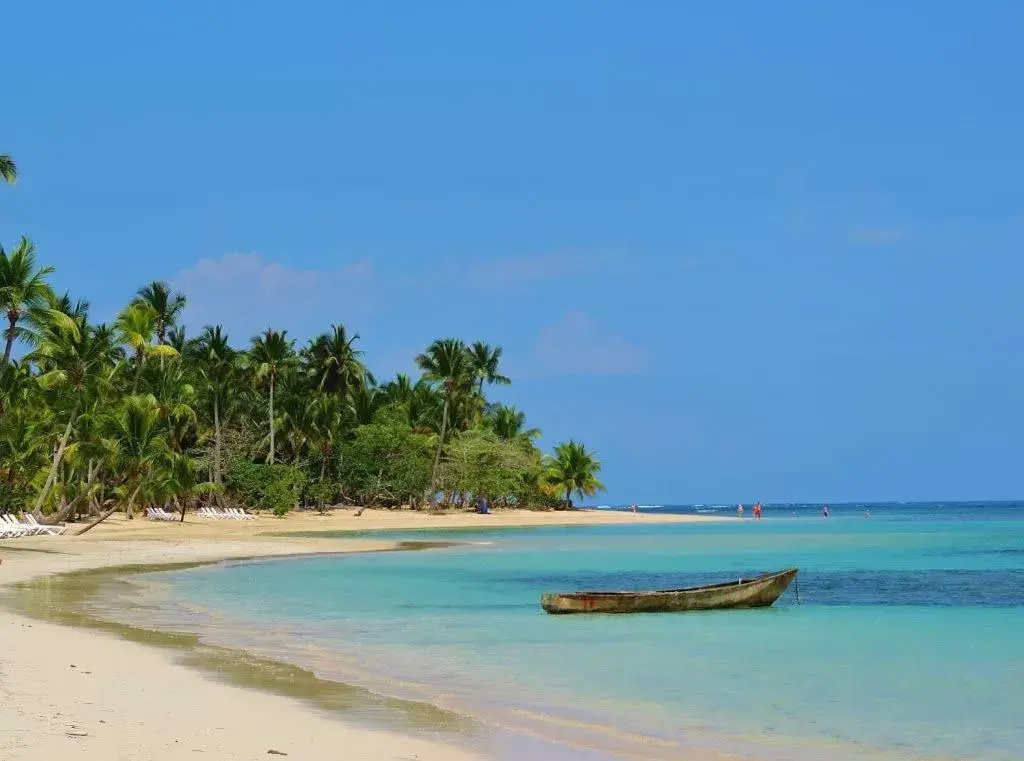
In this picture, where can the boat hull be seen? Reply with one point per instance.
(759, 592)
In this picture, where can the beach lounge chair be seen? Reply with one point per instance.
(13, 526)
(29, 523)
(10, 530)
(30, 520)
(13, 529)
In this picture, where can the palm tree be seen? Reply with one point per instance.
(333, 363)
(181, 481)
(509, 424)
(22, 443)
(323, 425)
(217, 361)
(24, 292)
(445, 361)
(573, 469)
(137, 451)
(270, 355)
(168, 306)
(292, 427)
(136, 325)
(485, 361)
(177, 338)
(79, 364)
(399, 390)
(8, 169)
(175, 397)
(88, 417)
(363, 402)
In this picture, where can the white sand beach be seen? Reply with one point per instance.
(72, 693)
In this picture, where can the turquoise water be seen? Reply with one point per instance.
(908, 642)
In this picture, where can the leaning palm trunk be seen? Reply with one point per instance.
(110, 512)
(69, 509)
(52, 475)
(437, 455)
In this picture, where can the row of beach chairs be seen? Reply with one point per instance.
(226, 513)
(159, 514)
(12, 528)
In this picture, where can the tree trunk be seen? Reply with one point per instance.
(216, 439)
(270, 460)
(109, 512)
(437, 455)
(56, 458)
(13, 321)
(67, 510)
(184, 505)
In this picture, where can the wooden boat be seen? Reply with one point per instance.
(758, 592)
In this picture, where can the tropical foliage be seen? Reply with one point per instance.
(96, 418)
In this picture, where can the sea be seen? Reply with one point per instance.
(902, 639)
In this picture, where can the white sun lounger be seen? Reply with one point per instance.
(30, 520)
(9, 530)
(159, 514)
(228, 514)
(13, 529)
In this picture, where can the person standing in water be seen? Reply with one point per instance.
(824, 511)
(739, 511)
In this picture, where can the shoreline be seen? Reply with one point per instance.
(126, 699)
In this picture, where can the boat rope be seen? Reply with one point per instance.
(796, 587)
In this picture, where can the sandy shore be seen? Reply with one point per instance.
(82, 694)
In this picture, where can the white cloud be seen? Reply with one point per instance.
(247, 293)
(576, 344)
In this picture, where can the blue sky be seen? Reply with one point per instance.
(744, 250)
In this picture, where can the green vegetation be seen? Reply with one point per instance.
(96, 418)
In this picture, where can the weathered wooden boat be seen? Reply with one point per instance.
(758, 592)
